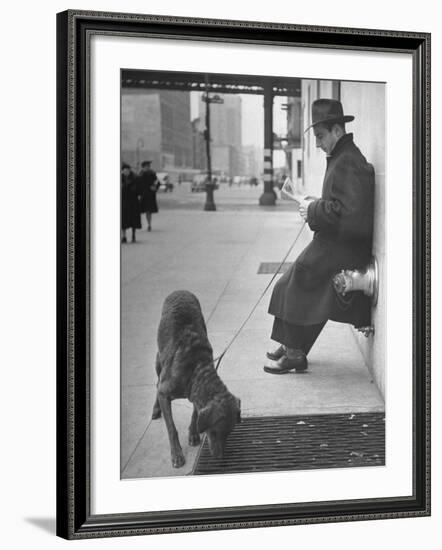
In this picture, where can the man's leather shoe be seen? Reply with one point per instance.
(276, 354)
(294, 360)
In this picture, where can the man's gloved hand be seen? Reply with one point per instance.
(303, 207)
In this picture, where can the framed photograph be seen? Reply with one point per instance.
(243, 274)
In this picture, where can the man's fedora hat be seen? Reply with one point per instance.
(328, 110)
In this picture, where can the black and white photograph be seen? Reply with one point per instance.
(253, 267)
(243, 305)
(219, 297)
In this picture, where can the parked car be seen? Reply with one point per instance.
(165, 184)
(199, 183)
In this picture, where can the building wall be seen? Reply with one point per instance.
(294, 121)
(253, 158)
(313, 159)
(225, 120)
(295, 135)
(156, 126)
(221, 157)
(140, 127)
(176, 127)
(296, 167)
(366, 101)
(199, 160)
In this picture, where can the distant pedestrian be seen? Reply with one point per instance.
(147, 186)
(130, 206)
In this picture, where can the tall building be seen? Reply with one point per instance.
(198, 145)
(253, 161)
(155, 125)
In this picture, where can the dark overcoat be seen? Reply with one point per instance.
(147, 185)
(342, 221)
(130, 206)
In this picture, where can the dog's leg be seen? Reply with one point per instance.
(175, 447)
(156, 412)
(194, 436)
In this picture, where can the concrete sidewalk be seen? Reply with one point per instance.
(216, 255)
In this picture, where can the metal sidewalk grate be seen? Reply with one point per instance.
(275, 443)
(269, 268)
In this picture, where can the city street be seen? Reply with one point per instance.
(217, 255)
(242, 197)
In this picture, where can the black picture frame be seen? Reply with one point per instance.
(74, 518)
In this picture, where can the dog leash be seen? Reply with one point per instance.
(219, 358)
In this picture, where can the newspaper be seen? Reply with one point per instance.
(289, 192)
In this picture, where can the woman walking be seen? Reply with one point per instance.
(130, 206)
(147, 186)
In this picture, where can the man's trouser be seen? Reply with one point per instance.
(296, 336)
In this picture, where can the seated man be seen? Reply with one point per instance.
(342, 220)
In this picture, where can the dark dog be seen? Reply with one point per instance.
(185, 370)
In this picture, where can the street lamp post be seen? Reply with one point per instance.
(210, 203)
(140, 145)
(268, 197)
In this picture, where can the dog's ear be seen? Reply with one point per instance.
(204, 418)
(238, 414)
